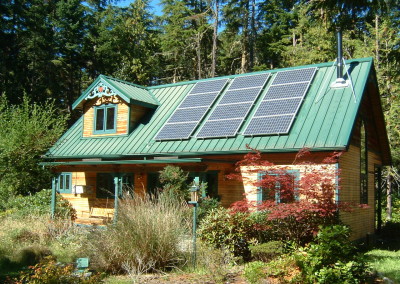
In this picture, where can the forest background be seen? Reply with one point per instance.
(56, 48)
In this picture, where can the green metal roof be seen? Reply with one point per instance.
(131, 93)
(324, 122)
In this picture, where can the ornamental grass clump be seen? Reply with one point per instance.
(146, 237)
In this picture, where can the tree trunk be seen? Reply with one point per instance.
(245, 40)
(198, 51)
(215, 39)
(389, 197)
(377, 41)
(252, 34)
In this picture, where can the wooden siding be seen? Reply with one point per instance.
(360, 220)
(136, 114)
(122, 117)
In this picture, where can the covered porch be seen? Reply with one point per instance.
(95, 188)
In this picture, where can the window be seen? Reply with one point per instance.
(105, 119)
(65, 183)
(363, 165)
(105, 187)
(279, 187)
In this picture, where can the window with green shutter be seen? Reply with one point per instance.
(65, 183)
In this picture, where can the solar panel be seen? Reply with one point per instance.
(238, 96)
(292, 76)
(270, 124)
(208, 86)
(249, 81)
(191, 111)
(198, 100)
(280, 105)
(176, 131)
(286, 91)
(230, 111)
(233, 107)
(188, 114)
(220, 128)
(276, 107)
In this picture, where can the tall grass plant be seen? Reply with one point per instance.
(147, 236)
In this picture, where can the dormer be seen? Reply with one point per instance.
(113, 107)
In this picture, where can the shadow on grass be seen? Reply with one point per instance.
(389, 238)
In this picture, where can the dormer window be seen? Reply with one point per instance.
(105, 119)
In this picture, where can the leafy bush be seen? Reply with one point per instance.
(39, 204)
(27, 132)
(298, 206)
(232, 232)
(253, 272)
(146, 237)
(331, 258)
(174, 182)
(205, 206)
(267, 251)
(50, 272)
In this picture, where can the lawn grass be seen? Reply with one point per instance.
(385, 257)
(386, 263)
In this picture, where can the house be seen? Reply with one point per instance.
(127, 133)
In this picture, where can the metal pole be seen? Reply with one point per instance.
(194, 233)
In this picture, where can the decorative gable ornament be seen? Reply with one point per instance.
(99, 91)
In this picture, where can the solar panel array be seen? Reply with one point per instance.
(233, 107)
(281, 103)
(191, 111)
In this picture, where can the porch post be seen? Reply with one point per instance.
(54, 184)
(117, 183)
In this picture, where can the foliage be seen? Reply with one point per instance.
(206, 205)
(331, 258)
(267, 251)
(174, 182)
(49, 272)
(232, 232)
(25, 240)
(253, 272)
(146, 237)
(296, 207)
(39, 204)
(27, 131)
(214, 262)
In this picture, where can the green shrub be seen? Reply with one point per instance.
(331, 258)
(233, 232)
(254, 272)
(284, 270)
(146, 237)
(174, 182)
(205, 206)
(267, 251)
(49, 272)
(39, 204)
